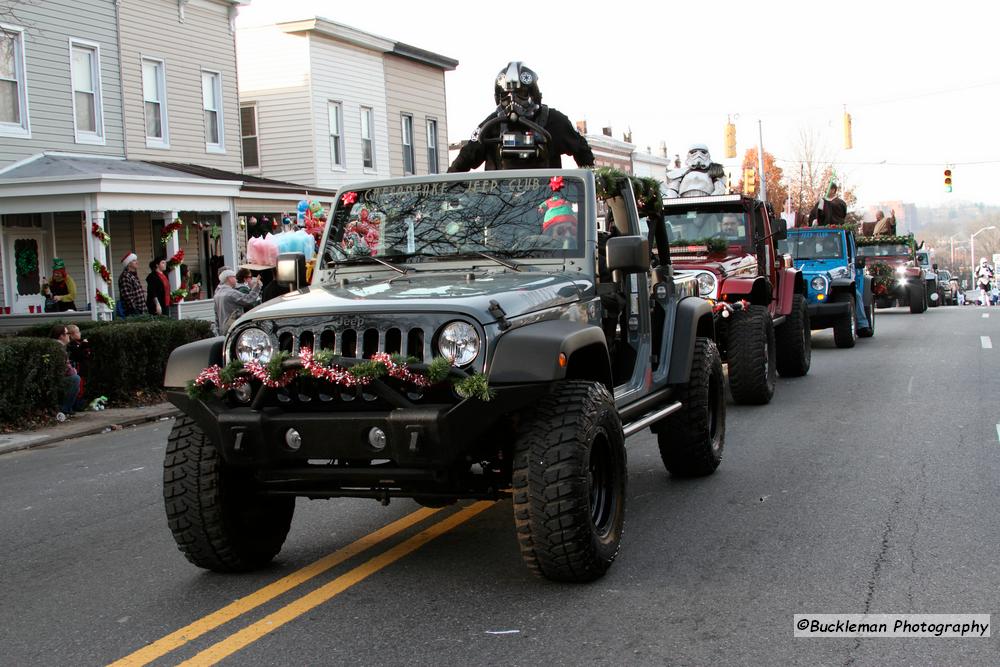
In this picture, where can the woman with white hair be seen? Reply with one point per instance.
(230, 302)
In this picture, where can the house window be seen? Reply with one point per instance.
(248, 129)
(87, 103)
(408, 145)
(335, 118)
(211, 95)
(432, 146)
(367, 142)
(13, 84)
(154, 95)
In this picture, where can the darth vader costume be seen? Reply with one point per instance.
(522, 133)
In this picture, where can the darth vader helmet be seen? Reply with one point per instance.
(516, 90)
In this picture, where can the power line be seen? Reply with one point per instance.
(886, 163)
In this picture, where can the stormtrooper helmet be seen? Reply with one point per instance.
(698, 157)
(516, 90)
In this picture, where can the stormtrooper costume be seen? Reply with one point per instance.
(698, 178)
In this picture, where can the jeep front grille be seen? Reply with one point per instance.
(358, 342)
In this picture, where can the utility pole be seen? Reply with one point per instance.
(760, 160)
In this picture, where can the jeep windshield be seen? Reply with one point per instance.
(699, 226)
(815, 245)
(483, 218)
(884, 250)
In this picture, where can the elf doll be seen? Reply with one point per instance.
(61, 289)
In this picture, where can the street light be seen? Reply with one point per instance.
(951, 239)
(972, 249)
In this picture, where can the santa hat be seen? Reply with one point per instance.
(129, 258)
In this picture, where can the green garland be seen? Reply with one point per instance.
(648, 196)
(906, 239)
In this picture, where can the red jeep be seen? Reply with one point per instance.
(728, 241)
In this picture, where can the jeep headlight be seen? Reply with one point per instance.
(706, 283)
(254, 345)
(818, 284)
(458, 343)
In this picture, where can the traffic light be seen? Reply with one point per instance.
(730, 140)
(749, 181)
(847, 131)
(947, 180)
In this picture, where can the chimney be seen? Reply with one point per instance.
(606, 131)
(663, 149)
(627, 136)
(581, 126)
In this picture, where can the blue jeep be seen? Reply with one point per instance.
(839, 293)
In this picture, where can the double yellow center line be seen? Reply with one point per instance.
(252, 633)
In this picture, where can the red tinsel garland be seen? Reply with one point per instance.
(168, 230)
(98, 233)
(175, 260)
(211, 376)
(101, 297)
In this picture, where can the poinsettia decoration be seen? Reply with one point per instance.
(176, 260)
(168, 230)
(348, 198)
(99, 233)
(556, 183)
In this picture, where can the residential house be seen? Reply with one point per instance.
(325, 104)
(111, 120)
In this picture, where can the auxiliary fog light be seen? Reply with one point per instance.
(377, 439)
(820, 297)
(243, 393)
(293, 439)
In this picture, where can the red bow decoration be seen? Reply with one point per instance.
(556, 183)
(349, 198)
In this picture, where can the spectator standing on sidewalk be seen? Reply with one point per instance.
(71, 381)
(158, 288)
(131, 294)
(230, 303)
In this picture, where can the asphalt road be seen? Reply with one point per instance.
(869, 486)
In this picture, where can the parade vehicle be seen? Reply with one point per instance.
(839, 293)
(949, 288)
(935, 284)
(727, 242)
(896, 277)
(464, 336)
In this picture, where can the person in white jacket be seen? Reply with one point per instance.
(231, 303)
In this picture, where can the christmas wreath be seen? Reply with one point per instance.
(26, 261)
(883, 277)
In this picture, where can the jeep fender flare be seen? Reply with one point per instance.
(755, 290)
(792, 283)
(845, 284)
(694, 320)
(187, 361)
(531, 354)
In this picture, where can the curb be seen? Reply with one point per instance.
(51, 435)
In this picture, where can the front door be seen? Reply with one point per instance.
(25, 269)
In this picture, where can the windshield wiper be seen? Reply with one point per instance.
(365, 258)
(509, 265)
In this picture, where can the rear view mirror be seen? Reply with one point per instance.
(779, 229)
(860, 262)
(628, 254)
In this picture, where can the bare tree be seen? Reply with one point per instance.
(809, 179)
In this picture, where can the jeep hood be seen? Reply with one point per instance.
(518, 293)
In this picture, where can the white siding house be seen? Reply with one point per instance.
(351, 90)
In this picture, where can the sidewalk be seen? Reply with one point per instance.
(86, 423)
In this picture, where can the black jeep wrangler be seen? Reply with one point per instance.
(464, 336)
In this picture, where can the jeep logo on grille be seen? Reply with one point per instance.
(346, 322)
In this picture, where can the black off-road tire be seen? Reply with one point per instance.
(217, 519)
(918, 298)
(869, 331)
(569, 480)
(845, 330)
(752, 357)
(794, 341)
(691, 440)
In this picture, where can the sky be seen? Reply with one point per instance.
(919, 79)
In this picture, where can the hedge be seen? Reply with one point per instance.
(128, 356)
(32, 370)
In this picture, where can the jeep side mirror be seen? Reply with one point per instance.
(934, 266)
(779, 229)
(860, 262)
(291, 270)
(628, 254)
